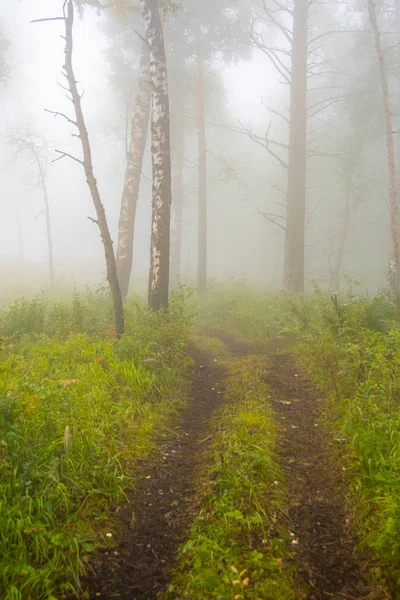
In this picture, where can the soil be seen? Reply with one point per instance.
(164, 503)
(325, 546)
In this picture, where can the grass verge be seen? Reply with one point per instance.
(77, 411)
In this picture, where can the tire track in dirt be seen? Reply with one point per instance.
(325, 547)
(164, 502)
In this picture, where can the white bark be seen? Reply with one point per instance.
(130, 194)
(161, 158)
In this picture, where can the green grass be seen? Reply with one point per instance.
(77, 412)
(353, 353)
(235, 548)
(351, 349)
(208, 344)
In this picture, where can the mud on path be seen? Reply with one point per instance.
(164, 503)
(326, 555)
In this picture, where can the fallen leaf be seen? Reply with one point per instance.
(234, 569)
(236, 582)
(245, 582)
(243, 572)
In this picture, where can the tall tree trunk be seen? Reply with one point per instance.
(43, 185)
(87, 163)
(393, 270)
(293, 278)
(177, 195)
(398, 104)
(48, 230)
(202, 149)
(161, 158)
(130, 194)
(21, 251)
(343, 238)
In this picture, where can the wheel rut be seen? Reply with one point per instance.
(325, 547)
(323, 543)
(164, 502)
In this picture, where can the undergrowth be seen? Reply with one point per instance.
(235, 549)
(352, 351)
(78, 409)
(250, 315)
(350, 346)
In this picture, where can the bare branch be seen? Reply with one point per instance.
(273, 111)
(271, 218)
(48, 19)
(60, 114)
(275, 21)
(66, 155)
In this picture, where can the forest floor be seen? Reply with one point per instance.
(164, 503)
(323, 547)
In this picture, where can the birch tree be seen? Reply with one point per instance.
(161, 158)
(130, 194)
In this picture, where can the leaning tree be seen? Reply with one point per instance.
(87, 163)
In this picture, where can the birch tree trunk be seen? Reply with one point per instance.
(130, 194)
(87, 163)
(161, 158)
(202, 149)
(293, 278)
(177, 203)
(393, 270)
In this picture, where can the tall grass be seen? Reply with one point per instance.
(351, 349)
(78, 409)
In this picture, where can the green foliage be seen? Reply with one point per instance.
(353, 352)
(77, 410)
(249, 315)
(351, 349)
(212, 346)
(235, 549)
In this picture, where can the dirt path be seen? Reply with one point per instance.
(325, 548)
(164, 502)
(327, 560)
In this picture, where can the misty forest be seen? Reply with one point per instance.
(199, 299)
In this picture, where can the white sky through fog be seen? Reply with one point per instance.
(37, 57)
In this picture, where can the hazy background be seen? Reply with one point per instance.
(241, 242)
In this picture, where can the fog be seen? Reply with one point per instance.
(243, 178)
